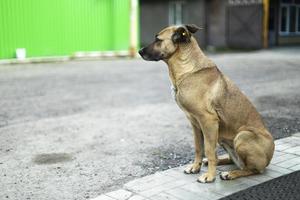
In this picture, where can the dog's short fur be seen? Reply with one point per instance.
(218, 111)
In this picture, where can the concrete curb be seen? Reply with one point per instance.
(173, 184)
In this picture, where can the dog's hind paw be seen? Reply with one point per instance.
(225, 176)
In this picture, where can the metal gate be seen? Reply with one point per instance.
(62, 27)
(245, 24)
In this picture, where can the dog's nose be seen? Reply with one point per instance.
(141, 51)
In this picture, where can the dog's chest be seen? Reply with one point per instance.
(177, 97)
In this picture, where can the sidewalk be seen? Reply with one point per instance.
(173, 184)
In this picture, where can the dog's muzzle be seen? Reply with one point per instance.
(144, 52)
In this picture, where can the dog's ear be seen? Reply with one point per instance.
(192, 28)
(181, 35)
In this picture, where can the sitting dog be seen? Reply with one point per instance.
(217, 110)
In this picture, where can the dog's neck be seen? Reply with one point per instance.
(187, 59)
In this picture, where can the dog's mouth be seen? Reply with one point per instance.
(149, 57)
(145, 57)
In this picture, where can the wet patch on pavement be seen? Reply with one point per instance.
(3, 120)
(52, 158)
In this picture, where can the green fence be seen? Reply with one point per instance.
(62, 27)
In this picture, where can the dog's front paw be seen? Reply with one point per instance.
(206, 178)
(193, 169)
(225, 176)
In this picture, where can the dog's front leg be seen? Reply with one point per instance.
(198, 140)
(210, 128)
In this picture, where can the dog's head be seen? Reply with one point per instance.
(167, 41)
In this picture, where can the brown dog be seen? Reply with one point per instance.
(218, 111)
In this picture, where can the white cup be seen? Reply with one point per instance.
(21, 53)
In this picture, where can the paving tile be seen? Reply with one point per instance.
(293, 150)
(295, 139)
(296, 135)
(291, 140)
(284, 146)
(246, 180)
(295, 168)
(282, 158)
(221, 188)
(232, 189)
(137, 197)
(119, 194)
(103, 197)
(272, 173)
(183, 194)
(201, 190)
(148, 182)
(278, 153)
(279, 169)
(279, 142)
(178, 174)
(163, 196)
(283, 140)
(161, 188)
(228, 187)
(289, 163)
(260, 177)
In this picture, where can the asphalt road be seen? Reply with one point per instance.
(77, 129)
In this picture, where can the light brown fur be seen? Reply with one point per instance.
(218, 111)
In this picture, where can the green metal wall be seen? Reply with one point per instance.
(62, 27)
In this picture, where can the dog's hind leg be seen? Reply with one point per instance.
(235, 174)
(221, 160)
(249, 156)
(233, 156)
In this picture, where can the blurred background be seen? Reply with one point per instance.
(47, 28)
(241, 24)
(81, 114)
